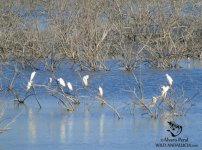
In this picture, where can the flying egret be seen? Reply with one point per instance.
(69, 86)
(100, 91)
(85, 80)
(29, 84)
(169, 80)
(164, 90)
(61, 82)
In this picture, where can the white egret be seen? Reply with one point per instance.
(69, 86)
(85, 80)
(100, 91)
(153, 101)
(61, 82)
(29, 84)
(32, 75)
(169, 80)
(164, 90)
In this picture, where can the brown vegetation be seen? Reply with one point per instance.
(167, 104)
(88, 32)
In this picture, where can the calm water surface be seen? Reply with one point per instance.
(92, 126)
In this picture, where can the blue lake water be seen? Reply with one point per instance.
(92, 126)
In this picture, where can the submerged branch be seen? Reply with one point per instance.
(103, 101)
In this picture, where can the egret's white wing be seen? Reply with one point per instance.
(69, 85)
(61, 82)
(169, 79)
(164, 90)
(32, 75)
(100, 91)
(85, 80)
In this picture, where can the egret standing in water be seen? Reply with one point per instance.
(100, 91)
(85, 80)
(164, 90)
(169, 80)
(61, 82)
(69, 86)
(29, 84)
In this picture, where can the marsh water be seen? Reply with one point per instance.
(92, 126)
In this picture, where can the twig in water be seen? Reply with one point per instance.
(103, 101)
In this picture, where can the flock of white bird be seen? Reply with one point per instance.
(164, 90)
(62, 83)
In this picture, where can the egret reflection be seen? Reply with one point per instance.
(63, 130)
(66, 129)
(86, 124)
(31, 125)
(70, 124)
(101, 128)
